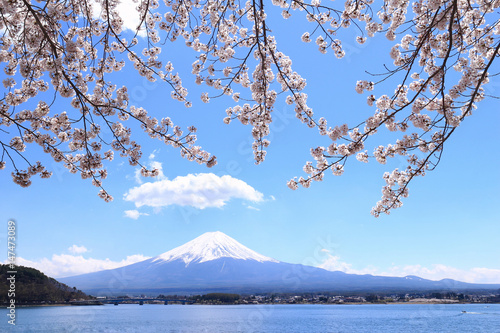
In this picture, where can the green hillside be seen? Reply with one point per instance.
(32, 286)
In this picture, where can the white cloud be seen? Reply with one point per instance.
(137, 176)
(77, 249)
(158, 166)
(128, 12)
(333, 263)
(134, 214)
(253, 208)
(153, 154)
(152, 165)
(63, 265)
(130, 15)
(439, 272)
(436, 272)
(197, 190)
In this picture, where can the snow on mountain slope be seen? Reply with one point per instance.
(215, 262)
(211, 246)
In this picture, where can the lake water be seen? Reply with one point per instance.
(257, 318)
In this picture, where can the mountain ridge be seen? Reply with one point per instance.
(215, 262)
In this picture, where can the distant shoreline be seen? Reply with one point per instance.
(291, 304)
(29, 305)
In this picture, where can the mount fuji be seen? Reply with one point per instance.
(211, 246)
(215, 262)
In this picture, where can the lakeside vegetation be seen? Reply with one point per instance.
(216, 298)
(32, 287)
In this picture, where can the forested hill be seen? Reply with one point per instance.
(32, 286)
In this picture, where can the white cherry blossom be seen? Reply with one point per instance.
(442, 55)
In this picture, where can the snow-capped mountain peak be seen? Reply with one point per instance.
(211, 246)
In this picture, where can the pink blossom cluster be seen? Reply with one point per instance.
(63, 47)
(441, 57)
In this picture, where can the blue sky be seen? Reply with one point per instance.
(448, 227)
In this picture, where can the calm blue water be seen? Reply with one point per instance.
(258, 318)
